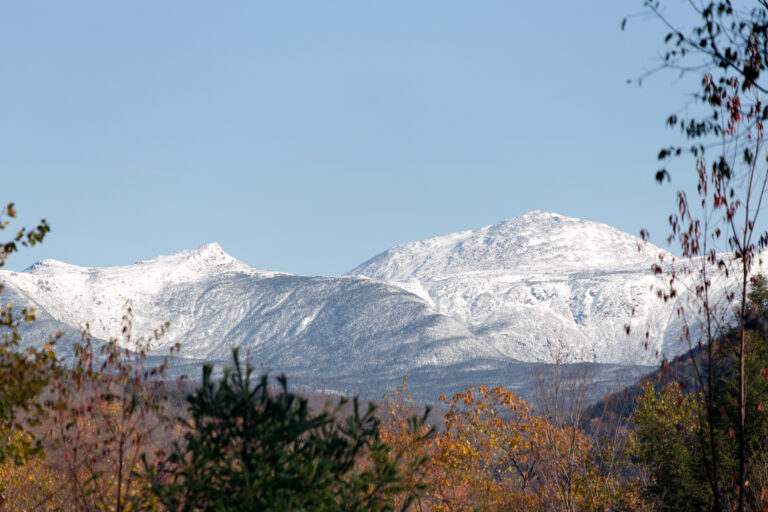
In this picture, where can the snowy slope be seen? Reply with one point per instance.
(542, 286)
(478, 306)
(535, 241)
(326, 325)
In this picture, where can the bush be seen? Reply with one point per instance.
(248, 448)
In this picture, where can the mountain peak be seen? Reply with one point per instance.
(537, 240)
(212, 247)
(538, 214)
(47, 264)
(197, 259)
(202, 257)
(205, 251)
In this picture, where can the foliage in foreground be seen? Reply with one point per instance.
(248, 448)
(724, 48)
(495, 454)
(676, 434)
(24, 374)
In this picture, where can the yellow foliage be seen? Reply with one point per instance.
(493, 453)
(33, 485)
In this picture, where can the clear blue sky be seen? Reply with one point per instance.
(308, 136)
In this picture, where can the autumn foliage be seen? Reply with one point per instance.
(494, 453)
(104, 416)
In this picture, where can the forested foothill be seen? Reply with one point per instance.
(109, 432)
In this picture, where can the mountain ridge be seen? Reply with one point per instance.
(490, 301)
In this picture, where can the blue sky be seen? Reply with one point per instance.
(308, 136)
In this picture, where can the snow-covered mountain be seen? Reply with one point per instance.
(534, 242)
(327, 325)
(541, 286)
(469, 307)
